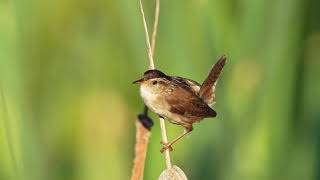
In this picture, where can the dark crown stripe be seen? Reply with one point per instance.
(150, 74)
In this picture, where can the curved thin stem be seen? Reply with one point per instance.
(151, 63)
(155, 28)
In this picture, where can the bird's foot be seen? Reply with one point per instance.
(166, 146)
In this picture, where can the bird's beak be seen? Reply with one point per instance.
(139, 81)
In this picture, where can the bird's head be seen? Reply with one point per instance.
(153, 81)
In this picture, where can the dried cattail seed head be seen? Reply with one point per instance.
(175, 173)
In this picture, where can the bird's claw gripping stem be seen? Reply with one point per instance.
(166, 146)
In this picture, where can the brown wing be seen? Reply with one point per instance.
(207, 89)
(195, 86)
(186, 103)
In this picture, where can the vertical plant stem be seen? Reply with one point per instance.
(151, 66)
(151, 63)
(155, 28)
(165, 140)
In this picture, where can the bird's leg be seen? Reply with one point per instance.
(168, 145)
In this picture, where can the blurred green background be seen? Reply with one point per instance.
(67, 105)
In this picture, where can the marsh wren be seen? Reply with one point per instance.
(180, 100)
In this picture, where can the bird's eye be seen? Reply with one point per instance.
(154, 82)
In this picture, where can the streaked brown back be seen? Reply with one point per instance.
(183, 101)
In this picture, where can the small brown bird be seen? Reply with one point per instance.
(181, 101)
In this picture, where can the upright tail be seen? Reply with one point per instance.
(207, 88)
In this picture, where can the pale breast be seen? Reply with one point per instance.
(154, 102)
(160, 106)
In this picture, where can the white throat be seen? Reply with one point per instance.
(146, 94)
